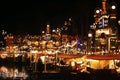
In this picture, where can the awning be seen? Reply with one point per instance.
(104, 57)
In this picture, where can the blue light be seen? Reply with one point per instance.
(78, 43)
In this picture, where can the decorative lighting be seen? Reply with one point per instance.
(90, 35)
(53, 30)
(97, 11)
(43, 31)
(113, 7)
(119, 22)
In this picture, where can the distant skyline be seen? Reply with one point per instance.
(31, 17)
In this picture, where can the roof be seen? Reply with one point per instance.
(104, 57)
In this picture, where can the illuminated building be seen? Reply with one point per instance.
(9, 40)
(106, 27)
(3, 34)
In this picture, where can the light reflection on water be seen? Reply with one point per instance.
(13, 72)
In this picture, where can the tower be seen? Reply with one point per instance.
(48, 29)
(104, 7)
(106, 28)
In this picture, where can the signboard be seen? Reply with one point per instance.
(47, 37)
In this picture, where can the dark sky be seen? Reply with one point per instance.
(31, 16)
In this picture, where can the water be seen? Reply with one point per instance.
(13, 72)
(10, 71)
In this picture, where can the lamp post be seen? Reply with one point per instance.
(44, 51)
(44, 48)
(119, 22)
(90, 35)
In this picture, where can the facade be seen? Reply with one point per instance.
(106, 34)
(2, 39)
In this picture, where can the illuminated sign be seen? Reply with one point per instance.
(47, 37)
(103, 23)
(107, 31)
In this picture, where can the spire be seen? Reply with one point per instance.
(48, 29)
(104, 7)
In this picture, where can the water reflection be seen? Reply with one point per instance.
(13, 72)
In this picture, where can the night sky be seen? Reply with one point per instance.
(20, 17)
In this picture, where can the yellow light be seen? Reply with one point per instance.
(43, 31)
(53, 30)
(119, 22)
(97, 11)
(80, 62)
(113, 7)
(42, 58)
(72, 63)
(89, 35)
(34, 51)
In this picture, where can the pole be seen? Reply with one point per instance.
(108, 44)
(45, 64)
(56, 58)
(30, 59)
(36, 61)
(61, 37)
